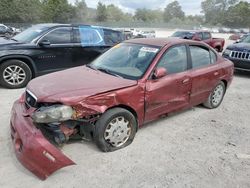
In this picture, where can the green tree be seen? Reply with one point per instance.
(28, 11)
(238, 15)
(101, 12)
(57, 11)
(7, 11)
(81, 11)
(173, 10)
(147, 15)
(114, 13)
(215, 10)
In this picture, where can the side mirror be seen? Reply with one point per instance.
(44, 43)
(159, 73)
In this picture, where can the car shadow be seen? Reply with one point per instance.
(242, 74)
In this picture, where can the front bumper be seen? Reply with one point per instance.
(239, 64)
(32, 149)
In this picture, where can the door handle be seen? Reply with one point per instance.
(185, 81)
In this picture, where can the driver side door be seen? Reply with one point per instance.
(57, 54)
(172, 91)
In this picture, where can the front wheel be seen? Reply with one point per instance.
(14, 74)
(115, 129)
(216, 96)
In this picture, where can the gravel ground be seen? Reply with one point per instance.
(194, 148)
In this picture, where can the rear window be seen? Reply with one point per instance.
(184, 34)
(91, 36)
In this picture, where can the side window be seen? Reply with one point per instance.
(213, 57)
(200, 36)
(112, 37)
(200, 56)
(174, 60)
(91, 36)
(59, 36)
(206, 36)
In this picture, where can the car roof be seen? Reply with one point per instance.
(161, 42)
(51, 25)
(194, 31)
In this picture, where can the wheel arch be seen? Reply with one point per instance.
(225, 82)
(23, 58)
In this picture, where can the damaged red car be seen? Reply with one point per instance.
(107, 101)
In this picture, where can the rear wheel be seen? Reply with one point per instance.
(216, 96)
(115, 129)
(14, 74)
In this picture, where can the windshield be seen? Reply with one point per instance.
(126, 60)
(246, 39)
(183, 34)
(30, 34)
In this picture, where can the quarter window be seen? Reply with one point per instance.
(174, 60)
(200, 36)
(206, 36)
(200, 56)
(59, 36)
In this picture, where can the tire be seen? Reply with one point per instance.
(216, 96)
(110, 137)
(14, 74)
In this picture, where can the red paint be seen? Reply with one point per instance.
(91, 92)
(32, 148)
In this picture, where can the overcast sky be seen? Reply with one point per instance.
(190, 7)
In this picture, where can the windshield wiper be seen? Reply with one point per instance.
(13, 39)
(108, 72)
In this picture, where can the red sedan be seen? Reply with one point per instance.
(107, 101)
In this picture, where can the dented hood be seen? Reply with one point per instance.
(75, 84)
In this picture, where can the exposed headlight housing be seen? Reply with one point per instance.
(227, 52)
(53, 114)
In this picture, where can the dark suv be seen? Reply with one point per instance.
(239, 53)
(46, 48)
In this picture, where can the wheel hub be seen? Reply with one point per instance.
(14, 75)
(117, 131)
(217, 95)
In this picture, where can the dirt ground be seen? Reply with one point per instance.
(194, 148)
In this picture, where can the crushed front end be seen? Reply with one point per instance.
(38, 128)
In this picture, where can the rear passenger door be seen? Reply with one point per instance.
(205, 73)
(88, 44)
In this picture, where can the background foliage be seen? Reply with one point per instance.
(231, 13)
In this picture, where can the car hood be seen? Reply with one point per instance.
(6, 44)
(73, 85)
(240, 47)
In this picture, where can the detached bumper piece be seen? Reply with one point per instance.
(32, 149)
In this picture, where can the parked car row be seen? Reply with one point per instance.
(223, 30)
